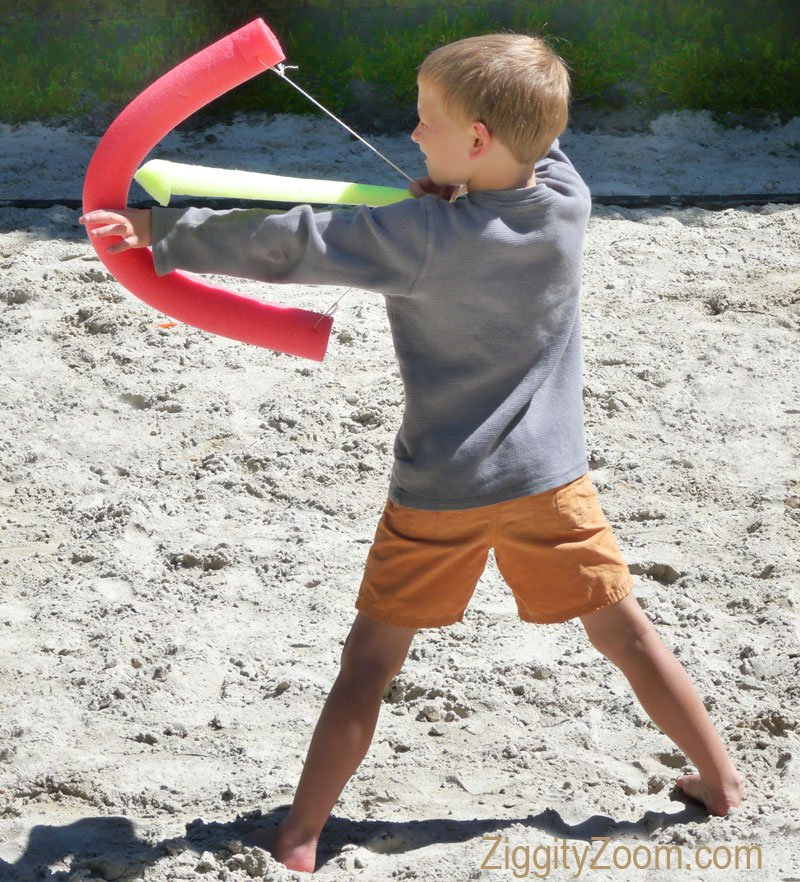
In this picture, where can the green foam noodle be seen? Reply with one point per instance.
(163, 179)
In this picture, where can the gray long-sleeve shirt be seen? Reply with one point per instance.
(483, 303)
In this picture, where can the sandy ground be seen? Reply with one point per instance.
(184, 519)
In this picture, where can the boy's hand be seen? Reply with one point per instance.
(134, 225)
(421, 186)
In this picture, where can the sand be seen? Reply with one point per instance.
(184, 520)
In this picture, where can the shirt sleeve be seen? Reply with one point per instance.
(381, 249)
(560, 175)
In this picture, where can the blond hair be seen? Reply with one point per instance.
(516, 85)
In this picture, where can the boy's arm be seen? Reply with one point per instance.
(380, 249)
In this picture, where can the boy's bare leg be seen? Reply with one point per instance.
(624, 634)
(373, 653)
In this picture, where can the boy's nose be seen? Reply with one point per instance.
(415, 135)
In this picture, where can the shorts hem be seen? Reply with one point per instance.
(379, 616)
(620, 592)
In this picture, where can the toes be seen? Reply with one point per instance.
(692, 786)
(690, 783)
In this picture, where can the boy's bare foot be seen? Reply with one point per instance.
(719, 801)
(300, 854)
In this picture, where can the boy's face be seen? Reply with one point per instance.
(444, 140)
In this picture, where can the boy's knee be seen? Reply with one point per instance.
(616, 647)
(621, 642)
(370, 662)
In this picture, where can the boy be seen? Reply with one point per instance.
(482, 295)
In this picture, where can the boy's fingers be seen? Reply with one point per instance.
(98, 217)
(110, 230)
(423, 185)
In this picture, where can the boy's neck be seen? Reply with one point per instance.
(502, 179)
(494, 168)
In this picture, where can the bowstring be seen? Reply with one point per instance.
(280, 70)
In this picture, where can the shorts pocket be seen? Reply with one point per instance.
(411, 523)
(573, 504)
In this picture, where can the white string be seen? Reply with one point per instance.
(331, 309)
(280, 70)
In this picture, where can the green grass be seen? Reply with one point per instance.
(680, 54)
(730, 55)
(104, 62)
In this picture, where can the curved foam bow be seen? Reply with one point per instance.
(132, 135)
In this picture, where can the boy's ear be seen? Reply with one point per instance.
(481, 139)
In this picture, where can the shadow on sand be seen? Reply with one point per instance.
(110, 848)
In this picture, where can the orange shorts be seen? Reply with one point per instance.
(555, 550)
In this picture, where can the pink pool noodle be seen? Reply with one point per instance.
(133, 134)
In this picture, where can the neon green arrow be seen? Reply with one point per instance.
(163, 179)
